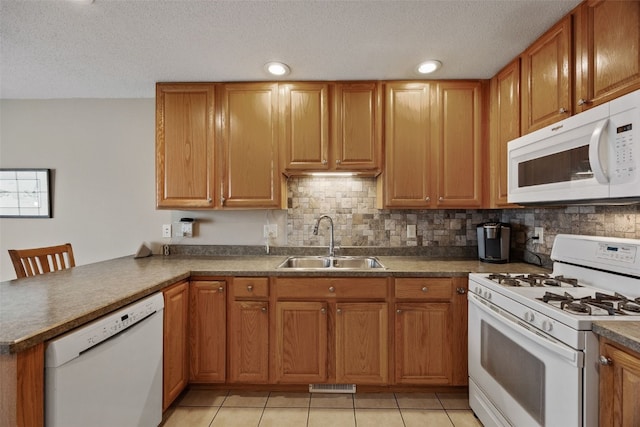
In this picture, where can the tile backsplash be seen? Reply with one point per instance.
(351, 204)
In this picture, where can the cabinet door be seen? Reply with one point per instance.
(546, 78)
(423, 336)
(358, 127)
(459, 145)
(362, 343)
(208, 331)
(619, 387)
(249, 342)
(249, 137)
(184, 145)
(609, 51)
(301, 342)
(175, 363)
(504, 127)
(305, 125)
(408, 126)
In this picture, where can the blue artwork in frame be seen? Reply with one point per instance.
(25, 193)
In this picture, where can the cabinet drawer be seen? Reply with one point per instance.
(250, 287)
(360, 288)
(432, 288)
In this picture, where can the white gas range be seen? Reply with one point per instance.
(533, 359)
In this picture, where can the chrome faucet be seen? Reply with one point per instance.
(332, 250)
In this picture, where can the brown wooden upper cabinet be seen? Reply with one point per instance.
(331, 127)
(607, 49)
(433, 145)
(546, 78)
(504, 126)
(185, 156)
(217, 146)
(248, 128)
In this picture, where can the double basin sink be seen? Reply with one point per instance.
(331, 262)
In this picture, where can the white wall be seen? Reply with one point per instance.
(102, 154)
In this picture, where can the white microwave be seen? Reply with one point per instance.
(592, 157)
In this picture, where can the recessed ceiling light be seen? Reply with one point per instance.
(428, 66)
(277, 68)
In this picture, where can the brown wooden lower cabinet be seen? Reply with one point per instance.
(22, 388)
(208, 327)
(175, 361)
(619, 386)
(430, 331)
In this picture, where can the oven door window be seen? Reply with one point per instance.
(504, 360)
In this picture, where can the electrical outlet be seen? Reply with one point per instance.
(270, 231)
(411, 231)
(539, 232)
(166, 230)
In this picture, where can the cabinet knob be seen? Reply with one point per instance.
(562, 110)
(338, 162)
(324, 161)
(427, 198)
(425, 289)
(323, 310)
(332, 289)
(222, 199)
(221, 289)
(605, 361)
(250, 288)
(461, 291)
(209, 200)
(263, 309)
(583, 101)
(339, 310)
(441, 199)
(398, 311)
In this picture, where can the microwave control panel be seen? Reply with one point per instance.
(625, 158)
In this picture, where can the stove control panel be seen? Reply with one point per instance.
(617, 252)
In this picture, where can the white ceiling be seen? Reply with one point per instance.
(121, 48)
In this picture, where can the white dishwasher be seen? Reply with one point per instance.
(109, 372)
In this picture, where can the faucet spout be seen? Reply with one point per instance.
(332, 251)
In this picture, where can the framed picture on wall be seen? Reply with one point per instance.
(25, 193)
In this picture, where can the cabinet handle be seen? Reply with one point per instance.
(425, 289)
(583, 101)
(562, 110)
(263, 309)
(323, 310)
(605, 361)
(332, 289)
(221, 289)
(250, 288)
(461, 291)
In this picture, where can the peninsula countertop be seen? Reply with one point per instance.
(39, 308)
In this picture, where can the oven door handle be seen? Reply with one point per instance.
(572, 356)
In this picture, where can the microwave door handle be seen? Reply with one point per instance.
(598, 160)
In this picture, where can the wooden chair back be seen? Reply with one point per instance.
(29, 262)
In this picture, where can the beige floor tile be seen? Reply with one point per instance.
(288, 400)
(425, 418)
(418, 401)
(200, 397)
(464, 419)
(190, 416)
(284, 417)
(322, 417)
(331, 400)
(375, 400)
(236, 417)
(454, 400)
(246, 399)
(379, 417)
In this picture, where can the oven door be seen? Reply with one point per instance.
(519, 376)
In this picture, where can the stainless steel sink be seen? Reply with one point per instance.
(338, 263)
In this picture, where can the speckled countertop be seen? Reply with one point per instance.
(624, 333)
(36, 309)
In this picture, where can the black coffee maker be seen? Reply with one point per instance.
(493, 242)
